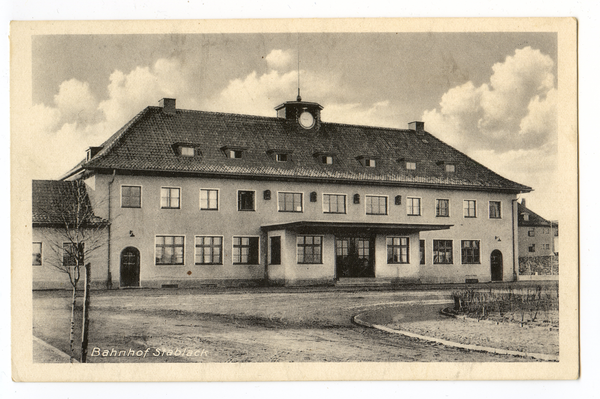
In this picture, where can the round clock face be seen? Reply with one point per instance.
(306, 120)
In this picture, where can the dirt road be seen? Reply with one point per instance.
(246, 326)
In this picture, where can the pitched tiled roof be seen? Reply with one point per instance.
(145, 145)
(55, 203)
(534, 218)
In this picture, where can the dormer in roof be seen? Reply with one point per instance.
(303, 114)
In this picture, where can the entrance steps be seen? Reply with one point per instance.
(363, 282)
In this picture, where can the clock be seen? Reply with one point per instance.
(307, 120)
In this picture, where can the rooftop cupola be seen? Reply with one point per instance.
(305, 114)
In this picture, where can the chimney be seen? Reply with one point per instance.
(419, 127)
(523, 202)
(168, 106)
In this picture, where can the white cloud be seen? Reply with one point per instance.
(506, 113)
(279, 59)
(76, 103)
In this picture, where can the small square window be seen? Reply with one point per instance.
(413, 206)
(327, 159)
(281, 157)
(532, 248)
(370, 163)
(245, 200)
(187, 151)
(209, 199)
(170, 198)
(411, 165)
(235, 154)
(131, 197)
(495, 210)
(450, 168)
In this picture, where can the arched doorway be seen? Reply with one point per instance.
(130, 267)
(496, 265)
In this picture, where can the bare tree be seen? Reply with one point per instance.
(78, 233)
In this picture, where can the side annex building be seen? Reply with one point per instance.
(197, 198)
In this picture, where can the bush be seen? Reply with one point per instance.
(521, 304)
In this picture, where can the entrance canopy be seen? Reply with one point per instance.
(312, 227)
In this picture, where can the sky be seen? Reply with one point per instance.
(490, 95)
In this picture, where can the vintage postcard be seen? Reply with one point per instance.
(268, 200)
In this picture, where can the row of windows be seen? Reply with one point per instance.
(69, 253)
(169, 250)
(324, 158)
(544, 230)
(544, 247)
(293, 202)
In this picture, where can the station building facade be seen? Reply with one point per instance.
(199, 198)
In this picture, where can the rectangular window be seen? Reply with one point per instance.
(397, 250)
(413, 206)
(376, 205)
(245, 250)
(411, 165)
(169, 198)
(495, 210)
(235, 154)
(131, 197)
(37, 254)
(370, 163)
(281, 157)
(70, 253)
(187, 151)
(209, 199)
(327, 160)
(531, 232)
(422, 252)
(290, 202)
(470, 251)
(532, 248)
(450, 168)
(442, 252)
(546, 246)
(334, 203)
(275, 247)
(169, 250)
(310, 249)
(209, 250)
(245, 200)
(470, 208)
(442, 208)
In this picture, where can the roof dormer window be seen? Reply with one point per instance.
(325, 158)
(186, 149)
(233, 152)
(280, 155)
(367, 161)
(411, 165)
(450, 168)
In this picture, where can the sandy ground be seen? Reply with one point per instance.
(156, 325)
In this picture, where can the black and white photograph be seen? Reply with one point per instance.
(386, 198)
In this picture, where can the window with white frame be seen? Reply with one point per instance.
(37, 254)
(397, 250)
(334, 203)
(170, 198)
(442, 252)
(413, 206)
(209, 250)
(442, 207)
(245, 200)
(169, 250)
(245, 250)
(209, 199)
(470, 208)
(495, 210)
(376, 204)
(310, 249)
(290, 202)
(131, 197)
(469, 251)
